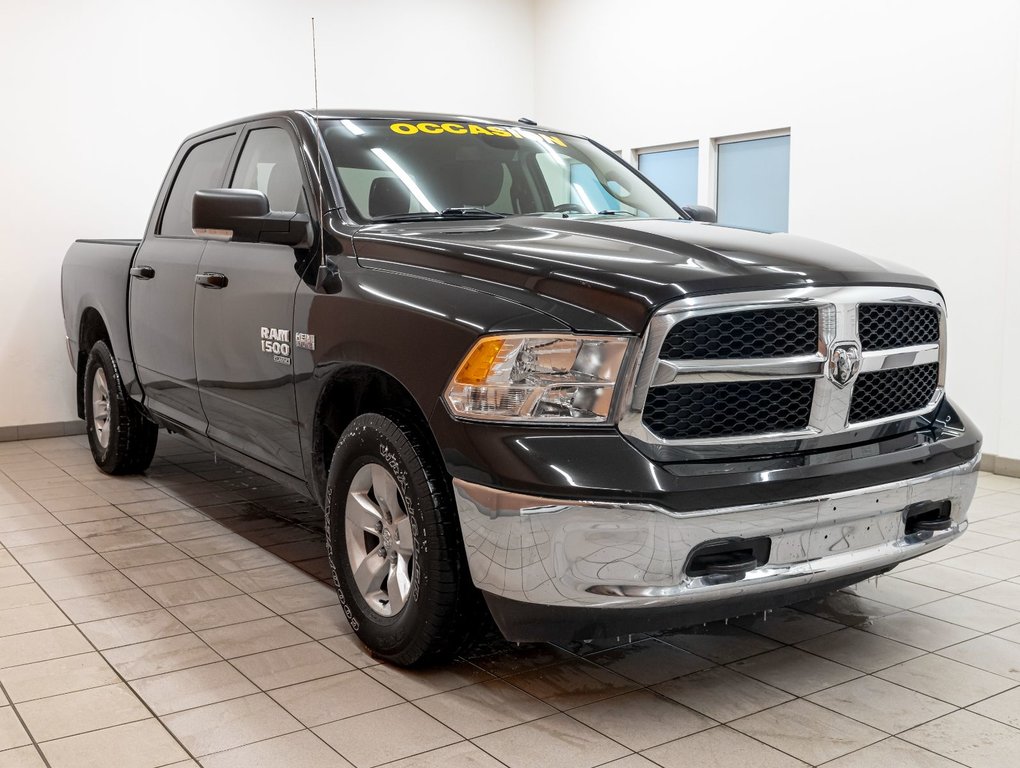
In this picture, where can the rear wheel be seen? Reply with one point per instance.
(122, 440)
(394, 545)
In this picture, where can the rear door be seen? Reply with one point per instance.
(161, 294)
(244, 335)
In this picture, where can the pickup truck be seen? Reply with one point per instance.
(520, 381)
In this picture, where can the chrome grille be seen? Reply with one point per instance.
(689, 411)
(744, 335)
(742, 369)
(880, 394)
(891, 326)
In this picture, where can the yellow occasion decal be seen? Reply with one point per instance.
(409, 129)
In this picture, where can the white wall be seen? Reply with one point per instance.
(97, 96)
(904, 121)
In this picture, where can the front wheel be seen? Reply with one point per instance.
(122, 440)
(394, 544)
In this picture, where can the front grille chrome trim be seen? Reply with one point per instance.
(838, 317)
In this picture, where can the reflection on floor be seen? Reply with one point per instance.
(181, 618)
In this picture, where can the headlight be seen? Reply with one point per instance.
(538, 378)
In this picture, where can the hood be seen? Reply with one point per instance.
(610, 274)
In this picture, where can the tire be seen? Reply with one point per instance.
(423, 609)
(123, 440)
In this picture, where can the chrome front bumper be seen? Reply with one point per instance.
(589, 554)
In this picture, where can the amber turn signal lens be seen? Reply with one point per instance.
(475, 368)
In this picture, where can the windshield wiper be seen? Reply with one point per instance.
(445, 214)
(616, 213)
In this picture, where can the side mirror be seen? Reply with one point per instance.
(244, 216)
(700, 213)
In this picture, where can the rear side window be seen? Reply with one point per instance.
(203, 168)
(270, 165)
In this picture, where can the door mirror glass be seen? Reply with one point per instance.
(244, 216)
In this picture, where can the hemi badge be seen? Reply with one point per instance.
(305, 340)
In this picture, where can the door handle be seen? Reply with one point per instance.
(211, 280)
(143, 273)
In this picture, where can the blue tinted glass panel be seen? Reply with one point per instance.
(587, 192)
(674, 171)
(754, 184)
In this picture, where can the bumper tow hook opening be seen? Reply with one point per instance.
(928, 517)
(729, 559)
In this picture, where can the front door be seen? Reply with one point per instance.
(161, 292)
(244, 334)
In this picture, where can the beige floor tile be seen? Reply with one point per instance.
(156, 553)
(641, 719)
(302, 749)
(897, 592)
(320, 623)
(12, 733)
(253, 637)
(193, 687)
(720, 746)
(807, 731)
(27, 522)
(6, 558)
(191, 591)
(96, 607)
(300, 597)
(20, 595)
(90, 530)
(970, 613)
(86, 585)
(51, 535)
(894, 753)
(164, 573)
(49, 570)
(572, 684)
(459, 755)
(13, 575)
(55, 550)
(269, 578)
(351, 650)
(721, 643)
(409, 731)
(795, 671)
(230, 724)
(985, 564)
(292, 665)
(82, 510)
(30, 618)
(190, 531)
(968, 738)
(1005, 594)
(860, 650)
(89, 710)
(484, 707)
(152, 507)
(57, 676)
(649, 662)
(513, 659)
(946, 679)
(113, 542)
(158, 656)
(215, 545)
(557, 741)
(722, 694)
(332, 698)
(221, 612)
(145, 744)
(881, 704)
(39, 646)
(241, 560)
(944, 576)
(1004, 707)
(788, 626)
(416, 683)
(22, 757)
(133, 628)
(992, 654)
(922, 632)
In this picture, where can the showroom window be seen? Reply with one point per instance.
(753, 183)
(270, 165)
(674, 171)
(202, 169)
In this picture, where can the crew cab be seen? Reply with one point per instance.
(520, 380)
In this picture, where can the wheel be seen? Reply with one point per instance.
(122, 440)
(394, 545)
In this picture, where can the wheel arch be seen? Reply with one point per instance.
(91, 328)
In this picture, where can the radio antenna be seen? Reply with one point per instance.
(318, 157)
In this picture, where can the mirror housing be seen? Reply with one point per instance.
(244, 216)
(701, 213)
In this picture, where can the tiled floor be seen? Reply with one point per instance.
(180, 619)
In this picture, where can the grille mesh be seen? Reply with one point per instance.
(889, 326)
(753, 334)
(878, 394)
(693, 411)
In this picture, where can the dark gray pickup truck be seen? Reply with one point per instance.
(519, 379)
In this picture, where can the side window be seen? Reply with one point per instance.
(269, 164)
(674, 171)
(202, 168)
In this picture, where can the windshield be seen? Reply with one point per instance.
(393, 170)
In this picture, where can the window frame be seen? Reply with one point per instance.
(712, 177)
